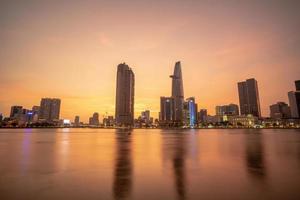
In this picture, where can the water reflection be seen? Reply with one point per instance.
(122, 184)
(175, 149)
(25, 151)
(255, 154)
(168, 164)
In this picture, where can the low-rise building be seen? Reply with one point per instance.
(248, 121)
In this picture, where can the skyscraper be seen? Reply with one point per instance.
(202, 115)
(294, 100)
(190, 112)
(49, 109)
(108, 121)
(15, 111)
(36, 109)
(249, 97)
(145, 115)
(297, 84)
(35, 113)
(77, 121)
(167, 114)
(96, 118)
(280, 110)
(124, 112)
(177, 92)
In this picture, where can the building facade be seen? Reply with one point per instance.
(280, 110)
(249, 98)
(190, 112)
(15, 111)
(294, 100)
(77, 121)
(167, 108)
(231, 109)
(124, 111)
(108, 121)
(297, 84)
(145, 116)
(94, 120)
(247, 121)
(202, 116)
(293, 104)
(49, 109)
(177, 93)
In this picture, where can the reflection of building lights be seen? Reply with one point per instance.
(66, 130)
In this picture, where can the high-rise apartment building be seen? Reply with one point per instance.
(35, 113)
(36, 109)
(108, 121)
(249, 97)
(294, 100)
(49, 109)
(297, 84)
(145, 115)
(202, 116)
(124, 112)
(280, 110)
(94, 120)
(15, 111)
(77, 121)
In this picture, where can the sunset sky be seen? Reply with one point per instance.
(71, 49)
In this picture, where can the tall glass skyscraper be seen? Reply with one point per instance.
(124, 112)
(166, 110)
(249, 97)
(190, 112)
(177, 93)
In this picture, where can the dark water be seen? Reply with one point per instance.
(149, 164)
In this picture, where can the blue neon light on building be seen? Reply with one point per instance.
(192, 117)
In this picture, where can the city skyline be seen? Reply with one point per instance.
(176, 87)
(73, 57)
(150, 99)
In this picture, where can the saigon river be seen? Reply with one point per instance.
(149, 164)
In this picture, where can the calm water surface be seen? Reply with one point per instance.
(149, 164)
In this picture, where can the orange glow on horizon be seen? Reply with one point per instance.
(71, 51)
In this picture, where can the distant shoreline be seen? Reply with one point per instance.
(137, 128)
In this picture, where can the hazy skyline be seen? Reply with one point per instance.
(71, 49)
